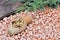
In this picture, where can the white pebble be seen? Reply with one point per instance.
(33, 13)
(29, 28)
(22, 39)
(16, 37)
(35, 35)
(30, 25)
(37, 16)
(5, 19)
(30, 33)
(18, 34)
(36, 22)
(28, 38)
(38, 28)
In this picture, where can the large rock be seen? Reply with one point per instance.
(6, 6)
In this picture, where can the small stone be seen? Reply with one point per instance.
(30, 33)
(28, 38)
(36, 22)
(22, 39)
(37, 16)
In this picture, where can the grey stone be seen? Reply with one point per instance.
(6, 7)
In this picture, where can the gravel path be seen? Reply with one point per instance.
(44, 26)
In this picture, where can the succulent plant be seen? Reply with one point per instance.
(19, 25)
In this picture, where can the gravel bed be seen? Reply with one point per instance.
(44, 26)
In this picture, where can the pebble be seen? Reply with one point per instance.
(28, 38)
(22, 39)
(30, 33)
(37, 16)
(36, 22)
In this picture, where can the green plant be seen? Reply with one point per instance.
(37, 4)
